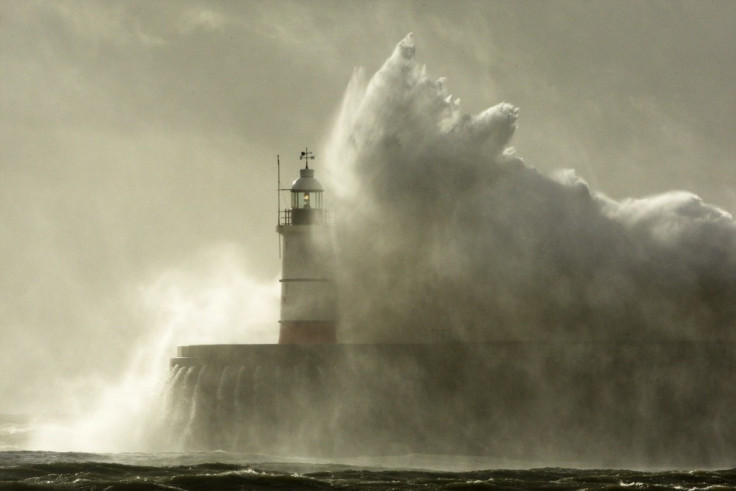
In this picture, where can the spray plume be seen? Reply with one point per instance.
(212, 298)
(442, 230)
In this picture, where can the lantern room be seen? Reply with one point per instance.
(306, 199)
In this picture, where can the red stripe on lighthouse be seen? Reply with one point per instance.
(307, 332)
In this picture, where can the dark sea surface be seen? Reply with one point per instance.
(228, 471)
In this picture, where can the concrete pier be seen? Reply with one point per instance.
(596, 404)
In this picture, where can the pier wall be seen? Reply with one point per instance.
(599, 404)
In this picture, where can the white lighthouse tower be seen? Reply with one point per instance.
(308, 311)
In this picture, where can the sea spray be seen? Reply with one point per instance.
(442, 228)
(211, 298)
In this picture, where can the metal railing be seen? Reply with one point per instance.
(285, 217)
(302, 216)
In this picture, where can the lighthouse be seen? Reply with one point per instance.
(308, 311)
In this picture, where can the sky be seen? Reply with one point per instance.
(138, 145)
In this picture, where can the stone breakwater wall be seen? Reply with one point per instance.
(598, 404)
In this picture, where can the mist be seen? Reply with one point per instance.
(212, 298)
(444, 231)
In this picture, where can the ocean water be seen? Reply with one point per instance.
(220, 470)
(36, 469)
(229, 471)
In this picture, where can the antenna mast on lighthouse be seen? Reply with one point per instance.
(278, 196)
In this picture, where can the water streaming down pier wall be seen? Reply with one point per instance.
(597, 403)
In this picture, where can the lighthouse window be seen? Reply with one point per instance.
(306, 199)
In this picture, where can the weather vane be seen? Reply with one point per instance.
(306, 155)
